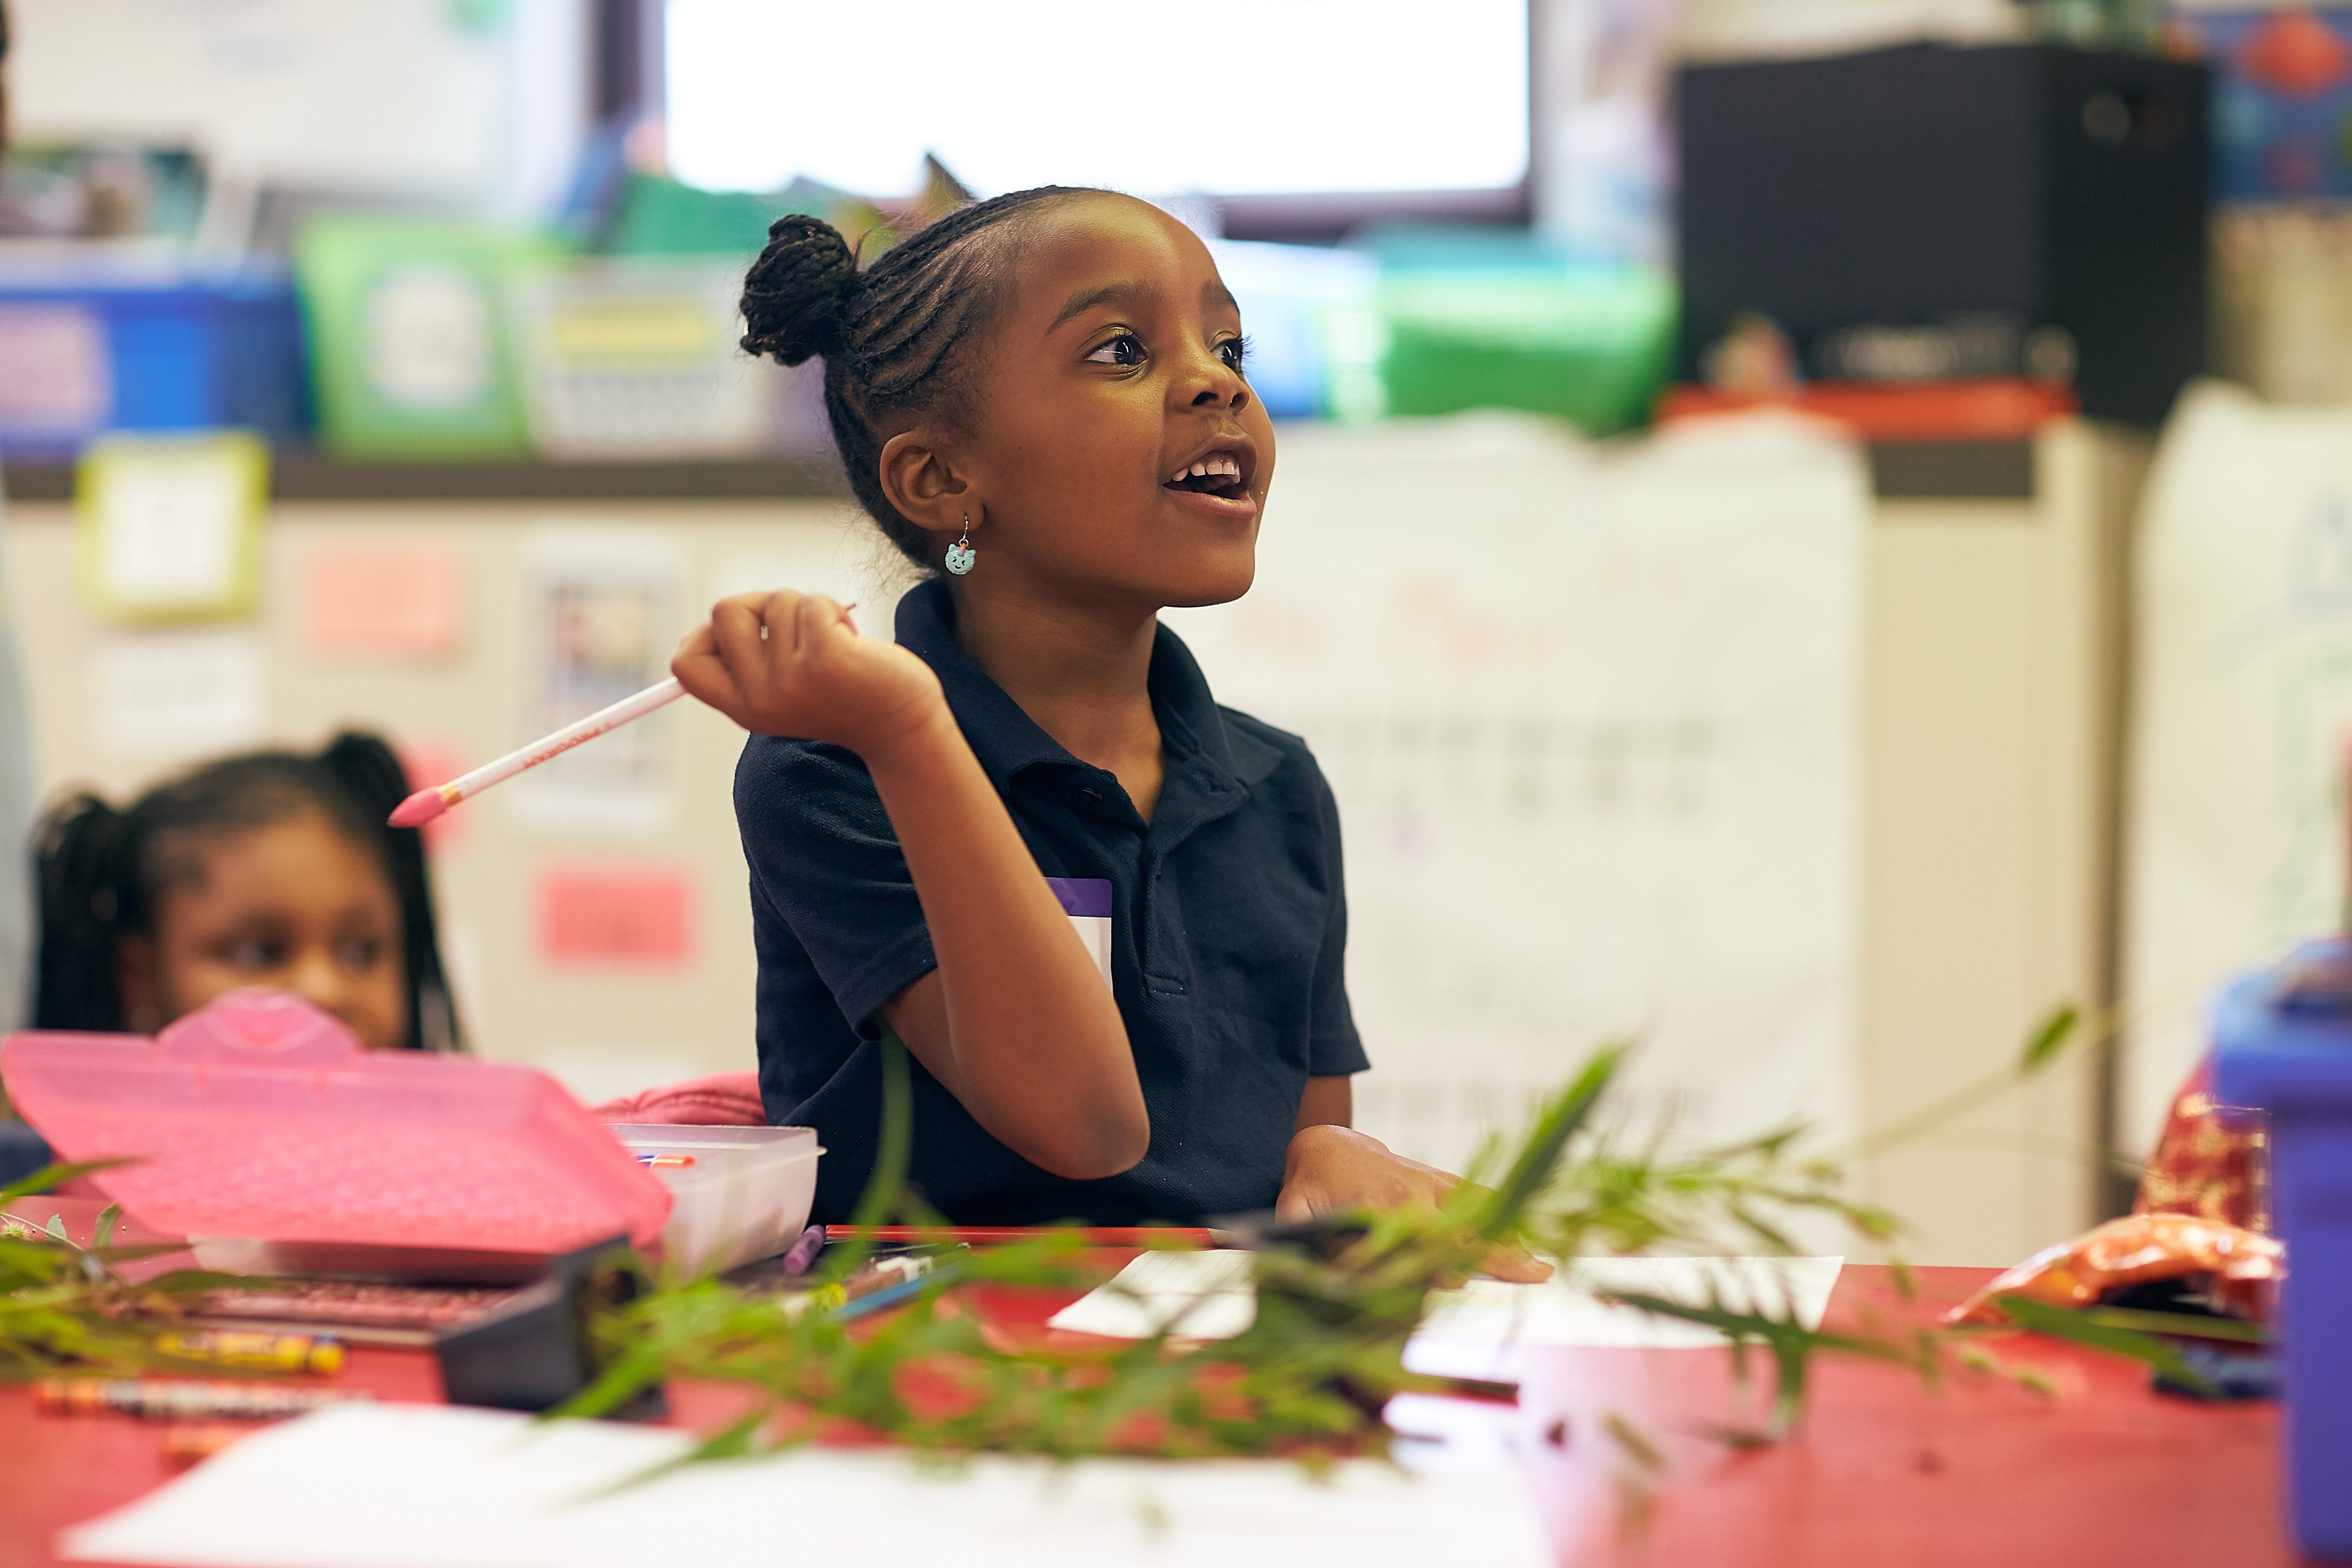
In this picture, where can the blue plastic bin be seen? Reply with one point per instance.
(2293, 1058)
(86, 349)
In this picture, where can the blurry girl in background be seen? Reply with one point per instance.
(274, 869)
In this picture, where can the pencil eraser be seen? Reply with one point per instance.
(419, 808)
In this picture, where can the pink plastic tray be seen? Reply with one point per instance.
(260, 1117)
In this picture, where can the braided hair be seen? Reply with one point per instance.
(102, 870)
(898, 339)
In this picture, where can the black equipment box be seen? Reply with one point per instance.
(1930, 212)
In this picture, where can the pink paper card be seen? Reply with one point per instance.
(401, 603)
(636, 915)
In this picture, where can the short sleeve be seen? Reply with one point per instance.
(825, 862)
(1333, 1047)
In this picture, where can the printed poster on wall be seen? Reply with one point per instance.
(605, 612)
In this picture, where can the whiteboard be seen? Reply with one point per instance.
(1590, 714)
(2244, 665)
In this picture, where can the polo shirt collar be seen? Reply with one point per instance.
(1006, 740)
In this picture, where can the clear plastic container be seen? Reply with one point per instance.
(746, 1196)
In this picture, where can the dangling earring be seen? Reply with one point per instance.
(960, 554)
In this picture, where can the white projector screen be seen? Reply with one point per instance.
(1221, 98)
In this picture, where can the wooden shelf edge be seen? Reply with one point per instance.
(308, 476)
(2002, 468)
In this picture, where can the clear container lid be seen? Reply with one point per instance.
(716, 1154)
(260, 1116)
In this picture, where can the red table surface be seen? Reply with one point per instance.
(1884, 1471)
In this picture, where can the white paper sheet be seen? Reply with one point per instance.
(179, 693)
(1207, 1296)
(169, 530)
(1200, 1295)
(1567, 1311)
(433, 1487)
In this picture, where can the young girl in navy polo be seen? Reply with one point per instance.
(1043, 394)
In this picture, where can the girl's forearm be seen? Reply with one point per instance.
(1033, 1046)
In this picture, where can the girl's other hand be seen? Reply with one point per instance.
(1330, 1170)
(794, 664)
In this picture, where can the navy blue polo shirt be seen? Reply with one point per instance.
(1228, 934)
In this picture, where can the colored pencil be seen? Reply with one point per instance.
(876, 1300)
(427, 804)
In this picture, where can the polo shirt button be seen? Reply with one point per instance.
(1091, 794)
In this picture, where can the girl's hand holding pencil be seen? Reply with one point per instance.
(794, 664)
(780, 664)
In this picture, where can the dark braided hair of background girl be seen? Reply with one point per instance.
(897, 338)
(100, 869)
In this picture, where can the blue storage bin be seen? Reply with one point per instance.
(85, 350)
(2290, 1055)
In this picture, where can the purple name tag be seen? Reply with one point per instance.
(1086, 900)
(1088, 896)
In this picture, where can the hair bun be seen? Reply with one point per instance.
(796, 294)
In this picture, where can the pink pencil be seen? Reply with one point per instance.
(427, 804)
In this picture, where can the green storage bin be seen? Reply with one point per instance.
(1589, 345)
(659, 217)
(411, 355)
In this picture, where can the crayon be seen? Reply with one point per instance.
(158, 1399)
(804, 1251)
(249, 1347)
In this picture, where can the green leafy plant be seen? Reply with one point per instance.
(1335, 1304)
(1310, 1376)
(64, 1305)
